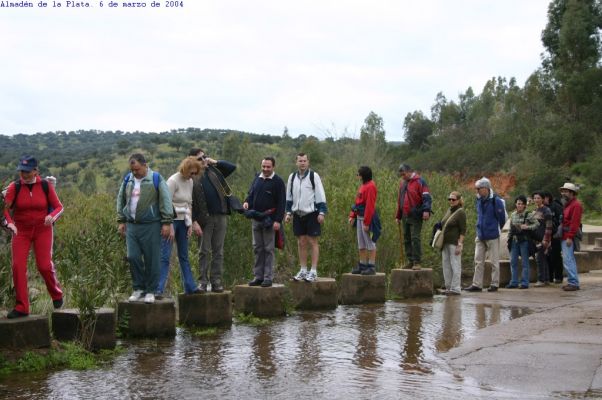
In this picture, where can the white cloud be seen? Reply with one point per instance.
(314, 66)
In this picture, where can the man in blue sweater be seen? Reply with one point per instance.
(491, 217)
(267, 198)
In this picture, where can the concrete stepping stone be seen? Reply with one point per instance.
(138, 319)
(31, 332)
(319, 294)
(363, 289)
(205, 309)
(67, 325)
(261, 301)
(407, 283)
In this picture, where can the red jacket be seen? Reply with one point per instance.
(417, 197)
(366, 198)
(571, 219)
(31, 207)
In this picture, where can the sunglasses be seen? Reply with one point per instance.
(452, 199)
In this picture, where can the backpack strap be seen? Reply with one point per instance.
(291, 179)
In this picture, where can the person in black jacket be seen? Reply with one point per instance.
(210, 210)
(266, 202)
(554, 252)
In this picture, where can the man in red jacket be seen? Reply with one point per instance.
(571, 228)
(413, 207)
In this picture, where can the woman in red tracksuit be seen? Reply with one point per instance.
(31, 224)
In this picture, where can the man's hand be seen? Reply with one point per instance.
(426, 215)
(320, 219)
(196, 228)
(245, 205)
(167, 232)
(365, 228)
(398, 221)
(287, 219)
(121, 229)
(569, 242)
(276, 226)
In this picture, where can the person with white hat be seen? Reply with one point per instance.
(571, 225)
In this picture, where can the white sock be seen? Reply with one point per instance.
(303, 268)
(314, 270)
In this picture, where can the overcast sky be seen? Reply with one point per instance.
(317, 67)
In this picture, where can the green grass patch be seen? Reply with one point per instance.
(250, 319)
(67, 356)
(204, 332)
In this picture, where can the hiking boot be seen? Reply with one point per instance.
(266, 283)
(416, 267)
(570, 288)
(358, 268)
(523, 287)
(300, 275)
(57, 303)
(16, 314)
(510, 286)
(149, 298)
(136, 295)
(217, 287)
(256, 282)
(201, 288)
(473, 288)
(369, 270)
(492, 288)
(311, 276)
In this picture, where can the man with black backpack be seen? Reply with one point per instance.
(306, 206)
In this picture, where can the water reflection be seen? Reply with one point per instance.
(451, 325)
(263, 354)
(411, 354)
(376, 351)
(366, 355)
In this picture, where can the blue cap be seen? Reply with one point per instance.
(27, 163)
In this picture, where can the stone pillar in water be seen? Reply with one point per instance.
(362, 289)
(205, 309)
(407, 283)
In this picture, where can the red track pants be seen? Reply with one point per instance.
(41, 237)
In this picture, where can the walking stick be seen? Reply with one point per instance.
(401, 247)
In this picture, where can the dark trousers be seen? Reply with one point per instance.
(555, 260)
(411, 239)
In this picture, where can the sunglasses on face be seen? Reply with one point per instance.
(452, 199)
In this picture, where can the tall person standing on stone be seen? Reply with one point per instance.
(491, 217)
(265, 203)
(144, 214)
(413, 207)
(210, 211)
(571, 229)
(306, 206)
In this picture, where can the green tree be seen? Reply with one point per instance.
(418, 128)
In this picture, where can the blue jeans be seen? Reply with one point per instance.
(569, 263)
(519, 248)
(181, 239)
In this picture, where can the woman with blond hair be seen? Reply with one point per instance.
(454, 230)
(180, 187)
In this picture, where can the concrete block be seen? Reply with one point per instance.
(361, 289)
(205, 309)
(138, 319)
(583, 261)
(595, 259)
(505, 273)
(320, 294)
(30, 332)
(260, 301)
(66, 326)
(598, 243)
(407, 283)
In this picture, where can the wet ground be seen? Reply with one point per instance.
(381, 351)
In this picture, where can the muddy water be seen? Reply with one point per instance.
(354, 352)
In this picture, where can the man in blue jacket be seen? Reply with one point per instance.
(267, 199)
(491, 217)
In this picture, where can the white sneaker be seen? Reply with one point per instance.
(300, 275)
(149, 298)
(136, 295)
(311, 276)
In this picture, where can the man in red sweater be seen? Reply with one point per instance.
(571, 228)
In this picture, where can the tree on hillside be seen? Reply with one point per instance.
(372, 132)
(418, 128)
